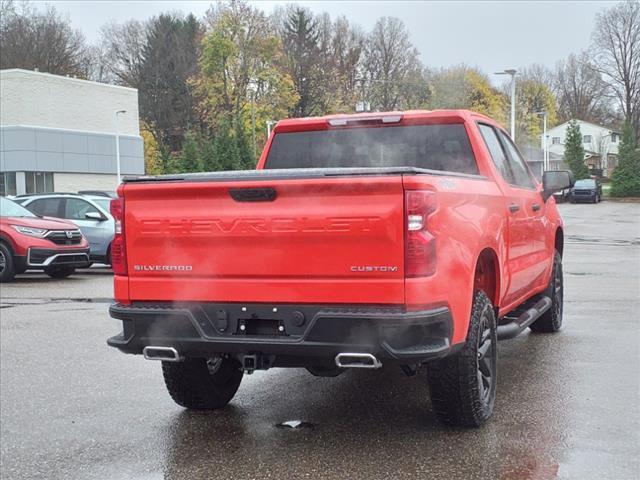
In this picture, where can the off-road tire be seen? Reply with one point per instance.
(455, 383)
(59, 272)
(192, 384)
(551, 320)
(7, 265)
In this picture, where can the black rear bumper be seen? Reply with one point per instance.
(284, 331)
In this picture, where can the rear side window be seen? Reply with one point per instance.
(434, 147)
(498, 155)
(45, 207)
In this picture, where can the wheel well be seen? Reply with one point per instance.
(559, 243)
(7, 244)
(486, 276)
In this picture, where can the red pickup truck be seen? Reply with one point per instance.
(404, 238)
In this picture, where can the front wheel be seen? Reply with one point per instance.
(59, 272)
(200, 384)
(7, 266)
(463, 386)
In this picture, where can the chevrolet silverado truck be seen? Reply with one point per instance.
(413, 238)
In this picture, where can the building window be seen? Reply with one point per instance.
(38, 182)
(614, 138)
(7, 183)
(586, 139)
(555, 140)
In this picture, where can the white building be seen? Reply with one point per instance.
(58, 133)
(600, 145)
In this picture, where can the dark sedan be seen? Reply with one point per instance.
(587, 190)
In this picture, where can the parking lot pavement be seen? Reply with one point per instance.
(567, 407)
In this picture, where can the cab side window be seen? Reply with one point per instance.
(498, 155)
(518, 166)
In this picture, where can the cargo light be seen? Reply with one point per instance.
(420, 244)
(118, 245)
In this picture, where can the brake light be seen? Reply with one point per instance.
(118, 246)
(420, 245)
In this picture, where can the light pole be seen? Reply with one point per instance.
(545, 147)
(270, 124)
(513, 73)
(118, 112)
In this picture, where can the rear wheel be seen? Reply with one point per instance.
(200, 384)
(551, 320)
(7, 266)
(59, 272)
(463, 386)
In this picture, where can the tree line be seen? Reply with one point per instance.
(207, 87)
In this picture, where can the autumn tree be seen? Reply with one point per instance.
(533, 98)
(617, 42)
(574, 151)
(242, 83)
(43, 40)
(466, 88)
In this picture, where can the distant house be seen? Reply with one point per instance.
(535, 159)
(600, 145)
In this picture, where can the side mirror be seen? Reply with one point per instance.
(555, 181)
(94, 216)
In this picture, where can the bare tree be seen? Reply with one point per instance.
(44, 40)
(617, 41)
(121, 50)
(390, 58)
(581, 91)
(347, 52)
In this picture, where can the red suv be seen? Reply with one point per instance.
(29, 242)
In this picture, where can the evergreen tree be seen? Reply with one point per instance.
(225, 148)
(190, 160)
(626, 176)
(574, 151)
(210, 162)
(245, 151)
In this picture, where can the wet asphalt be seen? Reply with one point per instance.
(568, 404)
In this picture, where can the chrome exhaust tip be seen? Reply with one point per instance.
(357, 360)
(165, 354)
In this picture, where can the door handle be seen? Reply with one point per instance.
(535, 207)
(514, 207)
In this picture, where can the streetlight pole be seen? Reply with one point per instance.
(118, 112)
(545, 147)
(513, 73)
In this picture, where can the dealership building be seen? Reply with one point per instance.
(59, 133)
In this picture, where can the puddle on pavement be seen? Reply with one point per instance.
(295, 425)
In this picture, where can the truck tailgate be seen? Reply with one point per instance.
(319, 240)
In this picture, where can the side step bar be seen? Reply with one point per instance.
(526, 318)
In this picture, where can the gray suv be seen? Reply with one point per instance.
(89, 212)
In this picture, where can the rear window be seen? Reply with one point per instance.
(435, 147)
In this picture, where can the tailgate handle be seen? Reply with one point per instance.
(253, 194)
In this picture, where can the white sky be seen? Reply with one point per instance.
(492, 35)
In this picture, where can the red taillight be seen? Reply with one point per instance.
(118, 246)
(420, 245)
